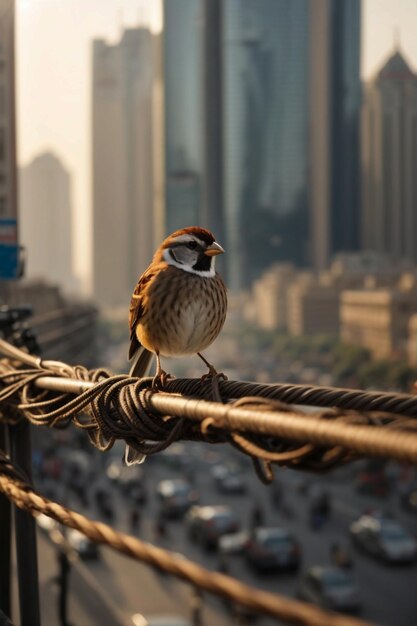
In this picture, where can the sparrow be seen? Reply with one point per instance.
(178, 306)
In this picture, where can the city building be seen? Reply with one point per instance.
(214, 123)
(287, 298)
(265, 135)
(46, 221)
(378, 319)
(412, 341)
(335, 98)
(389, 157)
(270, 297)
(127, 162)
(182, 55)
(357, 270)
(40, 295)
(313, 305)
(8, 182)
(65, 329)
(291, 98)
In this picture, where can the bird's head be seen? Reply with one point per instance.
(191, 249)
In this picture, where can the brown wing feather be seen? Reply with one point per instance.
(136, 308)
(138, 301)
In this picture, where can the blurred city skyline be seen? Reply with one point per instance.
(54, 99)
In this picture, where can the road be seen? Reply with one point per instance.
(129, 587)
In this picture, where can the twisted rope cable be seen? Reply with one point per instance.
(106, 418)
(122, 407)
(355, 399)
(293, 612)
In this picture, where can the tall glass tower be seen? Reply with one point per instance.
(265, 90)
(183, 120)
(262, 103)
(335, 98)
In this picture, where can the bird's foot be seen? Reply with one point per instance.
(160, 379)
(213, 373)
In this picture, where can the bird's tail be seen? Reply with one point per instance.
(141, 362)
(140, 367)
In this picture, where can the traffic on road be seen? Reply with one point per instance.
(321, 539)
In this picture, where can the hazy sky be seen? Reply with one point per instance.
(54, 70)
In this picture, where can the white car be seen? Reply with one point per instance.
(159, 620)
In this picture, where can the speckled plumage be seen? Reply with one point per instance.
(174, 312)
(178, 306)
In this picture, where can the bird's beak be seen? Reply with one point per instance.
(214, 249)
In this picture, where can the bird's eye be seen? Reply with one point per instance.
(192, 245)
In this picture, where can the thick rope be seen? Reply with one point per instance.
(121, 407)
(109, 407)
(355, 399)
(291, 611)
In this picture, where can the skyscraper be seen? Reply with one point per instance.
(265, 104)
(335, 97)
(46, 220)
(183, 118)
(127, 118)
(389, 158)
(279, 109)
(213, 118)
(8, 185)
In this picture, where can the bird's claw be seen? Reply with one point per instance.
(213, 373)
(160, 379)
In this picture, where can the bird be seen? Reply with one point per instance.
(178, 306)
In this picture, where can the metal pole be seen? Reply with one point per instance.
(26, 550)
(5, 540)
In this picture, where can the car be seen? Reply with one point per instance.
(329, 587)
(408, 499)
(229, 478)
(176, 496)
(176, 457)
(272, 549)
(206, 524)
(85, 548)
(372, 479)
(233, 543)
(383, 538)
(159, 620)
(129, 479)
(131, 482)
(113, 470)
(232, 483)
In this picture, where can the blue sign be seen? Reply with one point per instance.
(9, 250)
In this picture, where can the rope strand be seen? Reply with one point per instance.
(54, 394)
(13, 485)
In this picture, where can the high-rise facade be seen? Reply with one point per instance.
(275, 118)
(335, 98)
(389, 158)
(126, 149)
(183, 102)
(46, 220)
(291, 101)
(9, 262)
(265, 130)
